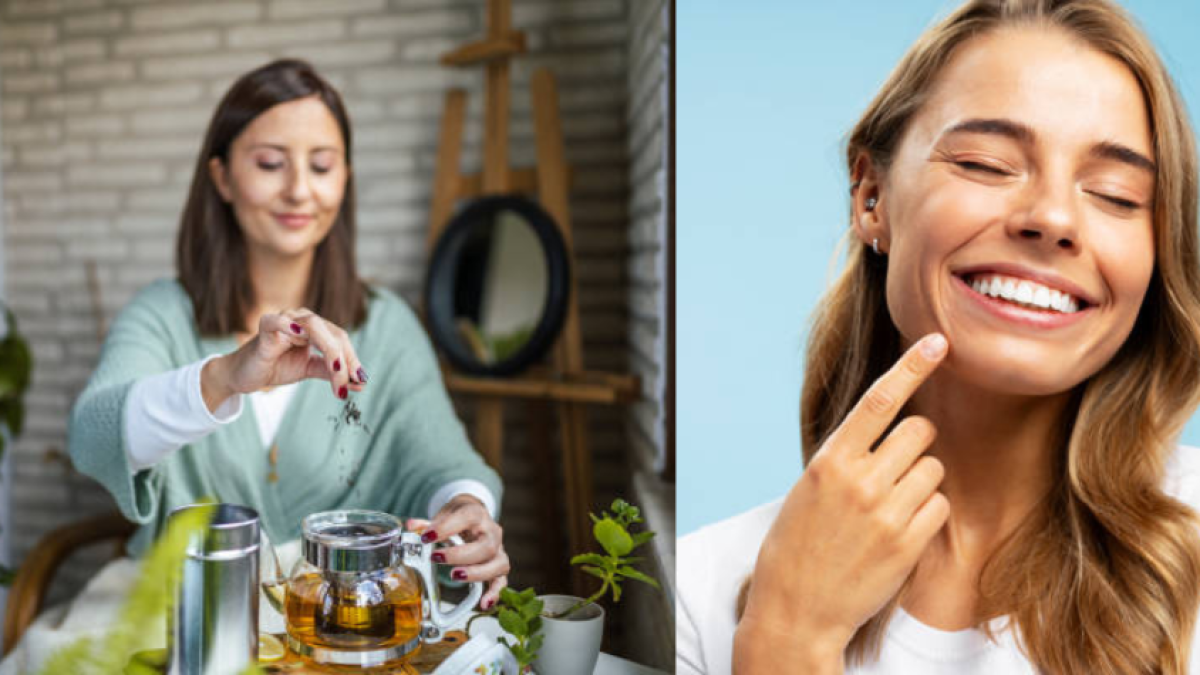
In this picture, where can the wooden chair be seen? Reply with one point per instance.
(32, 582)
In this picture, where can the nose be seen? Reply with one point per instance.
(1049, 218)
(297, 190)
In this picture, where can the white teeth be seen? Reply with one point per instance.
(1041, 297)
(1025, 292)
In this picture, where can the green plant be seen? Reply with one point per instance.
(145, 607)
(613, 535)
(519, 614)
(16, 365)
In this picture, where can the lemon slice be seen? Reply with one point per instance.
(270, 648)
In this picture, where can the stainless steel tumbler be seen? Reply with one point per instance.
(213, 627)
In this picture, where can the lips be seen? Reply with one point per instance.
(293, 220)
(1024, 293)
(1025, 297)
(1027, 287)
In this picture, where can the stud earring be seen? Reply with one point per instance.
(869, 205)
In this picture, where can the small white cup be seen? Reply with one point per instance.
(481, 654)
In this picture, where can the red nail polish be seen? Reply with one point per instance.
(342, 393)
(459, 575)
(362, 376)
(296, 328)
(337, 365)
(429, 536)
(487, 604)
(439, 557)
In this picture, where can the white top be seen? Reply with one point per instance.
(712, 563)
(165, 412)
(269, 408)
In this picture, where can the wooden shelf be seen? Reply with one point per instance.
(486, 50)
(584, 387)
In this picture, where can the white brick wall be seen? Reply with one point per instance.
(104, 104)
(649, 615)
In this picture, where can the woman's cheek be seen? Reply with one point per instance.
(257, 188)
(329, 195)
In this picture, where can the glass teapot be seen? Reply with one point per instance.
(364, 591)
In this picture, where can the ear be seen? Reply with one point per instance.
(870, 224)
(216, 171)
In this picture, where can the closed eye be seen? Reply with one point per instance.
(979, 166)
(270, 166)
(1126, 204)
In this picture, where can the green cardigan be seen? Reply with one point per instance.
(414, 445)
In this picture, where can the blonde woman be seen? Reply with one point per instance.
(995, 383)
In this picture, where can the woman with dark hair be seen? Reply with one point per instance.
(269, 314)
(995, 385)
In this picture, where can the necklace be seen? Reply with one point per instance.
(273, 459)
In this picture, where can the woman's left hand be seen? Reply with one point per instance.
(481, 557)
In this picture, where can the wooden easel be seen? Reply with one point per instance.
(567, 386)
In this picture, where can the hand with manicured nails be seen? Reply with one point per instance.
(280, 354)
(481, 556)
(850, 531)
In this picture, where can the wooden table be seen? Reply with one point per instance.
(430, 656)
(426, 660)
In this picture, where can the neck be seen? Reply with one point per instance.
(999, 453)
(279, 283)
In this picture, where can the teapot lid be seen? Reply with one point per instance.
(351, 540)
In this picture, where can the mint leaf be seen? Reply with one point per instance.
(589, 559)
(513, 623)
(615, 540)
(594, 571)
(631, 573)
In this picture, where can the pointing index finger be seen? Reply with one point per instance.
(877, 408)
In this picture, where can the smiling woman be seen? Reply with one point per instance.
(1030, 178)
(995, 384)
(269, 310)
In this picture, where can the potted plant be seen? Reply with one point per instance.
(16, 364)
(561, 634)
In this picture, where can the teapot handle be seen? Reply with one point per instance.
(418, 556)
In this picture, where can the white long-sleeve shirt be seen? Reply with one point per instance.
(165, 412)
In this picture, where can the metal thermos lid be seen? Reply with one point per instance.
(232, 533)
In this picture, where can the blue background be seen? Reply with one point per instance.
(766, 92)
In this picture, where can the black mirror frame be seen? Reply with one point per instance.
(442, 273)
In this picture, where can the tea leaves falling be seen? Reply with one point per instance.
(350, 417)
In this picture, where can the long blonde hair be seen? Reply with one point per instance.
(1104, 577)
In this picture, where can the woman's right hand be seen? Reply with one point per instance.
(280, 354)
(850, 531)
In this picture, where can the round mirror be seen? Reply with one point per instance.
(497, 286)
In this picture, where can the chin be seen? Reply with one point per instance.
(1019, 371)
(288, 244)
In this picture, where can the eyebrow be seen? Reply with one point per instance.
(1025, 135)
(284, 148)
(1121, 153)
